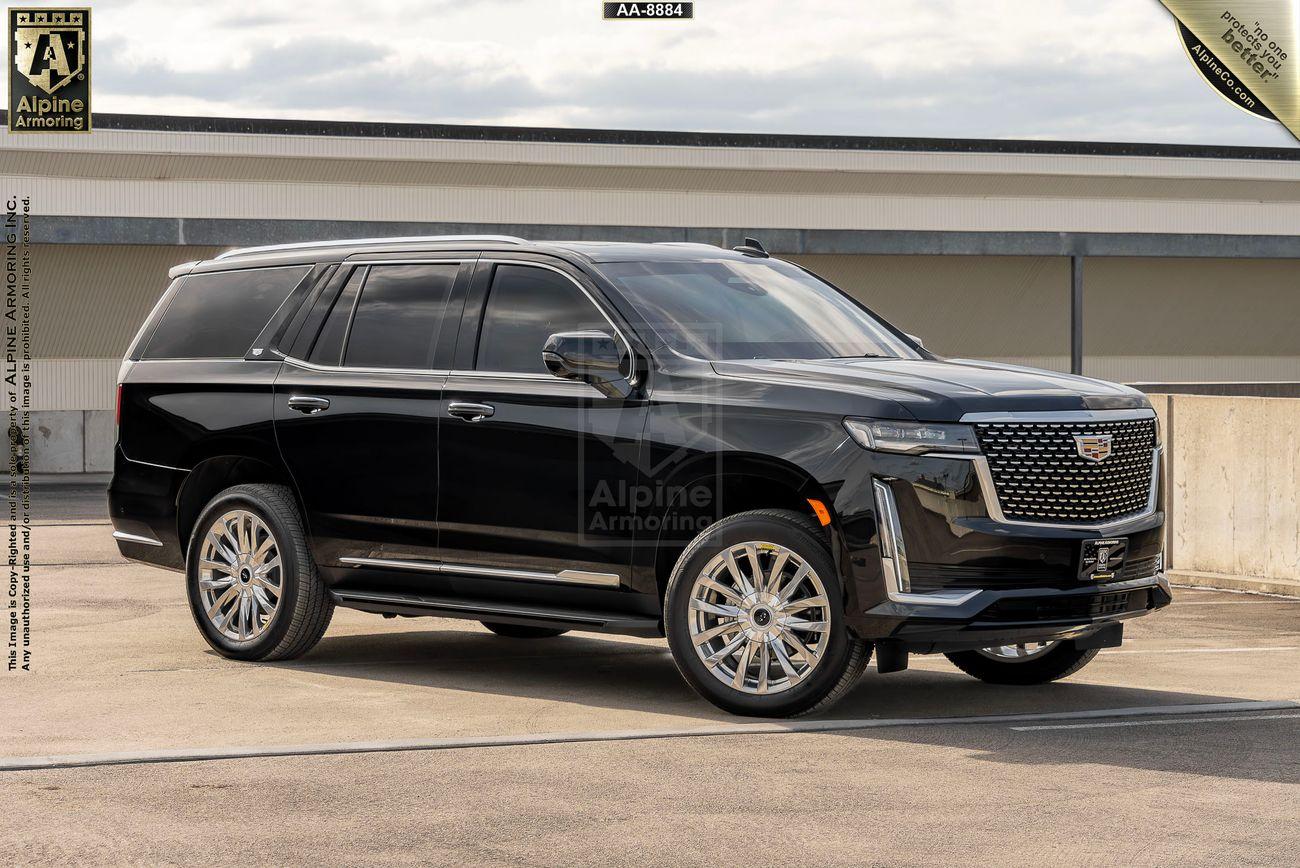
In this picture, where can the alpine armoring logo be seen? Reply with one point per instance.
(49, 81)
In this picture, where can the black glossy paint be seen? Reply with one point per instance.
(562, 477)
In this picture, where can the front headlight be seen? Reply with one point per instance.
(885, 435)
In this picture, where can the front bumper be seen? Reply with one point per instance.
(928, 565)
(1009, 617)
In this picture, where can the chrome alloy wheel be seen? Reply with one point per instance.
(1018, 653)
(759, 618)
(240, 575)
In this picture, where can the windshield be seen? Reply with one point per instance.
(752, 309)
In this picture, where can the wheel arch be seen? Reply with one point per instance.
(214, 475)
(731, 484)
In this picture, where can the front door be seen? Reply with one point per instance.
(357, 419)
(538, 474)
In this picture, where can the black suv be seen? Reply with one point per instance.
(651, 439)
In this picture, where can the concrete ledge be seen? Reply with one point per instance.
(63, 480)
(225, 231)
(1224, 582)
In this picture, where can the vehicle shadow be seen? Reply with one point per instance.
(639, 676)
(1259, 746)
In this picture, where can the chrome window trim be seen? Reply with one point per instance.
(994, 506)
(627, 345)
(207, 359)
(570, 385)
(570, 577)
(338, 369)
(504, 375)
(893, 557)
(1065, 416)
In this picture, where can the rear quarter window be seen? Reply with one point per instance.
(218, 315)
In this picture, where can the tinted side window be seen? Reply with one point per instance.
(524, 308)
(218, 315)
(398, 318)
(329, 345)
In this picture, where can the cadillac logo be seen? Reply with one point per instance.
(1094, 447)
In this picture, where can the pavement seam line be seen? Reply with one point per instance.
(1173, 722)
(70, 761)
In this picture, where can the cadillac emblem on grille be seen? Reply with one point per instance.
(1094, 447)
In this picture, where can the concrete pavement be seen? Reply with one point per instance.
(119, 666)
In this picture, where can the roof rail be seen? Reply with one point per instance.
(356, 242)
(184, 268)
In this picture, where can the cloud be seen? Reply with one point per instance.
(1001, 68)
(354, 77)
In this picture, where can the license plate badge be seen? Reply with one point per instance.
(1102, 559)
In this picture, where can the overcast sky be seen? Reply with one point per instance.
(1058, 69)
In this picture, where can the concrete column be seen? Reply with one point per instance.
(58, 441)
(1076, 314)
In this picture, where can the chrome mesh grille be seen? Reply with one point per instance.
(1040, 476)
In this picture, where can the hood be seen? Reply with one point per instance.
(942, 390)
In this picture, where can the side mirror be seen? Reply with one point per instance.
(914, 339)
(589, 356)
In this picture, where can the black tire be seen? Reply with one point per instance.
(839, 666)
(305, 606)
(1057, 663)
(519, 631)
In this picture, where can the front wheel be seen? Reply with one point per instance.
(754, 614)
(1026, 663)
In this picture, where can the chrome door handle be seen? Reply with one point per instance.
(308, 404)
(470, 412)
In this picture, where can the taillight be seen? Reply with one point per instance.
(117, 407)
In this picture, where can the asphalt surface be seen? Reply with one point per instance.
(591, 750)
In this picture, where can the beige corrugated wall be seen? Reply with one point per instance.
(1192, 320)
(1013, 308)
(1145, 320)
(88, 301)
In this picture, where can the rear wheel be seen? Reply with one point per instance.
(252, 584)
(518, 631)
(755, 617)
(1026, 663)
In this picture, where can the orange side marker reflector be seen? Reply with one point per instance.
(823, 514)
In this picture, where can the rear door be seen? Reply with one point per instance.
(357, 412)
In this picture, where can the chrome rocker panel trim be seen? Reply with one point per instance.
(568, 577)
